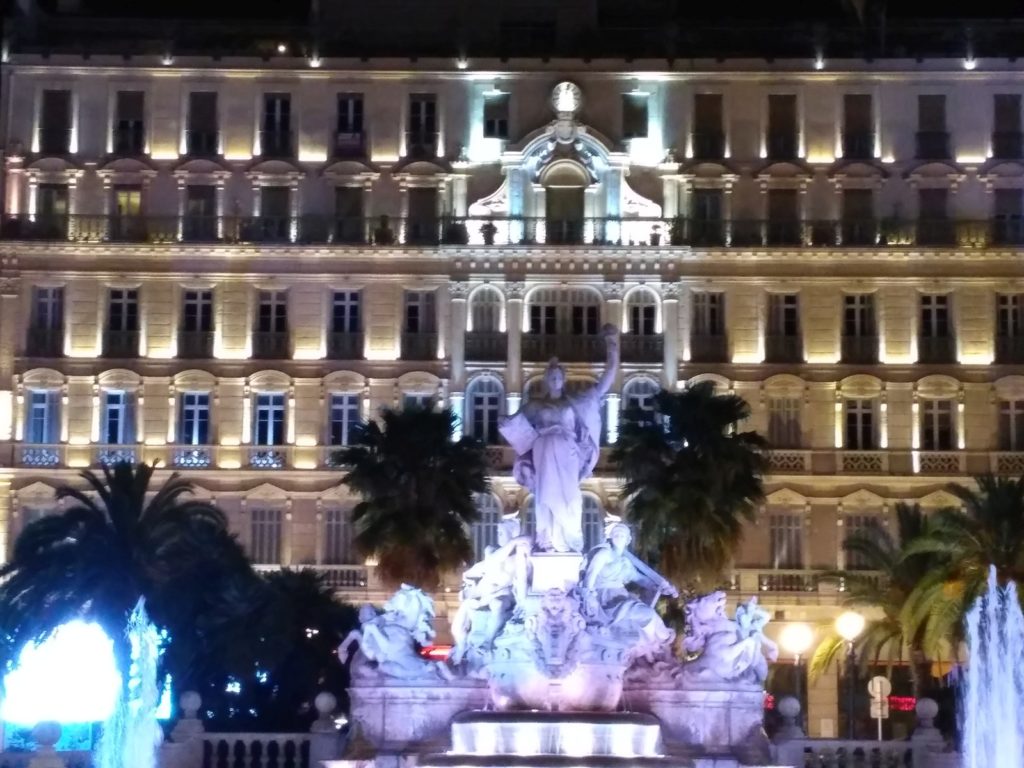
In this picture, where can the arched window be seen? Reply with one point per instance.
(485, 311)
(554, 311)
(485, 530)
(639, 393)
(593, 522)
(642, 313)
(483, 406)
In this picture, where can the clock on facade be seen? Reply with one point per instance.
(566, 97)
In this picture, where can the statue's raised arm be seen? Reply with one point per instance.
(611, 368)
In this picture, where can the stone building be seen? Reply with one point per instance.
(223, 263)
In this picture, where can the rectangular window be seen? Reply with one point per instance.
(338, 548)
(344, 415)
(350, 114)
(420, 315)
(123, 312)
(859, 315)
(708, 135)
(42, 421)
(931, 113)
(485, 407)
(276, 124)
(585, 320)
(1006, 113)
(417, 400)
(938, 428)
(858, 120)
(786, 540)
(197, 311)
(55, 122)
(860, 425)
(935, 316)
(47, 308)
(643, 319)
(422, 130)
(784, 315)
(858, 525)
(127, 201)
(1010, 316)
(346, 312)
(784, 422)
(268, 426)
(782, 126)
(496, 110)
(194, 423)
(933, 204)
(1011, 425)
(543, 319)
(273, 312)
(202, 123)
(709, 313)
(117, 426)
(129, 126)
(634, 115)
(265, 548)
(1008, 204)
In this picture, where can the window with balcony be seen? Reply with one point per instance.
(934, 227)
(270, 341)
(707, 223)
(484, 531)
(784, 343)
(45, 336)
(121, 338)
(496, 111)
(861, 433)
(932, 135)
(641, 343)
(52, 214)
(274, 223)
(348, 135)
(786, 540)
(117, 418)
(346, 330)
(421, 134)
(1006, 126)
(265, 536)
(419, 326)
(860, 332)
(338, 540)
(708, 130)
(349, 215)
(201, 139)
(268, 424)
(129, 123)
(784, 422)
(194, 420)
(42, 417)
(421, 401)
(344, 415)
(1010, 328)
(858, 127)
(195, 335)
(484, 338)
(938, 425)
(1011, 425)
(484, 398)
(859, 525)
(858, 212)
(276, 125)
(935, 343)
(782, 140)
(707, 335)
(127, 223)
(634, 115)
(1008, 217)
(55, 122)
(422, 226)
(783, 226)
(200, 224)
(564, 324)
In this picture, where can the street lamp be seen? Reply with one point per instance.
(849, 625)
(796, 639)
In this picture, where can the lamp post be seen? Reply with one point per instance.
(849, 625)
(796, 639)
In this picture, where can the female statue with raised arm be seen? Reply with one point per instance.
(556, 438)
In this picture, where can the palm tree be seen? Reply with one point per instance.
(95, 559)
(417, 486)
(988, 531)
(692, 478)
(888, 577)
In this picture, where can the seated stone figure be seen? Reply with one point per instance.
(607, 601)
(491, 589)
(729, 650)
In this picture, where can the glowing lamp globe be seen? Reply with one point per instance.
(796, 639)
(849, 625)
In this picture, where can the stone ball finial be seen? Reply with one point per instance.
(46, 734)
(926, 709)
(788, 707)
(190, 702)
(325, 703)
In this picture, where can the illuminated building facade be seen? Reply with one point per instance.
(224, 264)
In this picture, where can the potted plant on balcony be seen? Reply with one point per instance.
(656, 234)
(488, 230)
(454, 232)
(383, 234)
(677, 231)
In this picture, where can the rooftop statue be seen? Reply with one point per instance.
(556, 437)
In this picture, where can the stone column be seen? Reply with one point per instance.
(514, 331)
(458, 292)
(670, 335)
(6, 517)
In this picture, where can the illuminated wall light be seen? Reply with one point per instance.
(823, 158)
(883, 426)
(838, 424)
(819, 62)
(282, 48)
(970, 63)
(462, 63)
(888, 159)
(612, 404)
(167, 59)
(154, 442)
(313, 156)
(306, 442)
(229, 464)
(976, 359)
(961, 441)
(970, 158)
(315, 62)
